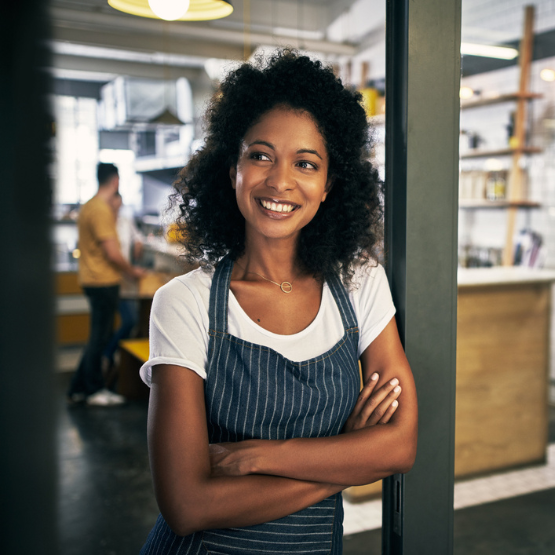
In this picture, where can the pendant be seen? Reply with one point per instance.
(286, 287)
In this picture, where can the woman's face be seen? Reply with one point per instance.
(281, 175)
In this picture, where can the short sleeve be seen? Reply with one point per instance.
(103, 223)
(372, 303)
(178, 330)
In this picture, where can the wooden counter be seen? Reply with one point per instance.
(72, 308)
(502, 368)
(502, 371)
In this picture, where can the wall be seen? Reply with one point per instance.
(488, 227)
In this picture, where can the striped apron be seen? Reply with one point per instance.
(253, 392)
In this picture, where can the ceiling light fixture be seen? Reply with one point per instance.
(548, 74)
(175, 10)
(170, 10)
(466, 92)
(488, 51)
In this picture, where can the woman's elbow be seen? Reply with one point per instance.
(407, 456)
(183, 517)
(182, 523)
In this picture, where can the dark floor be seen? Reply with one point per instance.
(106, 502)
(107, 506)
(519, 526)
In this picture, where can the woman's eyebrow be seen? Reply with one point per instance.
(300, 151)
(309, 151)
(269, 145)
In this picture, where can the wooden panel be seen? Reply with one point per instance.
(72, 329)
(67, 284)
(502, 364)
(129, 382)
(362, 493)
(139, 348)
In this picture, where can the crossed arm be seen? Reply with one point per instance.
(199, 486)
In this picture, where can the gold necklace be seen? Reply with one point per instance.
(285, 286)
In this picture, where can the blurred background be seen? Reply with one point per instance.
(131, 88)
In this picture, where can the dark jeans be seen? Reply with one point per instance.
(128, 312)
(103, 301)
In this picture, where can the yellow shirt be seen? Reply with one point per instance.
(96, 223)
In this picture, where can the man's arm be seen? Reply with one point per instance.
(112, 252)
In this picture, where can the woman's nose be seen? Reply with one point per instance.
(280, 179)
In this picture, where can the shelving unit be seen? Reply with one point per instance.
(501, 152)
(484, 203)
(515, 193)
(499, 99)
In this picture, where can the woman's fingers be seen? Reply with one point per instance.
(355, 420)
(384, 406)
(365, 392)
(373, 409)
(389, 412)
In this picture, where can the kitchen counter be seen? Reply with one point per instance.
(503, 351)
(469, 277)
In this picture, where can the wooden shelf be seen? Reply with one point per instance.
(512, 97)
(501, 152)
(484, 203)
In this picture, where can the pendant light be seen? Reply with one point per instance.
(175, 10)
(170, 10)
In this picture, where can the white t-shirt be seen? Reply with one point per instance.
(179, 321)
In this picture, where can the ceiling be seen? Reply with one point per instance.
(93, 41)
(89, 35)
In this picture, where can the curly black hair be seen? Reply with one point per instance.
(347, 229)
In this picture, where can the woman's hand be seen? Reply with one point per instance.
(233, 459)
(374, 407)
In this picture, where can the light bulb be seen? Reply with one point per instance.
(170, 10)
(547, 74)
(466, 92)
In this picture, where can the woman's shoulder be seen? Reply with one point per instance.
(366, 276)
(194, 284)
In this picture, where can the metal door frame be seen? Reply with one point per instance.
(421, 203)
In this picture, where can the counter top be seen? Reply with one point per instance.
(160, 245)
(469, 277)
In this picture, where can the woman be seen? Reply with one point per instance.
(256, 423)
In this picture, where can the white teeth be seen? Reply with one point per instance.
(275, 207)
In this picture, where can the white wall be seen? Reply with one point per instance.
(488, 227)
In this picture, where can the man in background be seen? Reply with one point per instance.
(101, 267)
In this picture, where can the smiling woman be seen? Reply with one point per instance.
(257, 419)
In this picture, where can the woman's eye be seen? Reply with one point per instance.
(307, 165)
(259, 156)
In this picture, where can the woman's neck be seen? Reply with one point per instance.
(276, 260)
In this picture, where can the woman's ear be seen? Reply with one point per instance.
(329, 185)
(233, 175)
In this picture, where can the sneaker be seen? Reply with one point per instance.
(76, 398)
(105, 398)
(116, 399)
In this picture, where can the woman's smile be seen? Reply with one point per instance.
(275, 208)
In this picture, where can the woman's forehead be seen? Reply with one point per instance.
(284, 123)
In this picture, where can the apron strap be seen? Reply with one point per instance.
(341, 297)
(219, 293)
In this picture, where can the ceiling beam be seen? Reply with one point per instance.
(170, 31)
(122, 67)
(147, 43)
